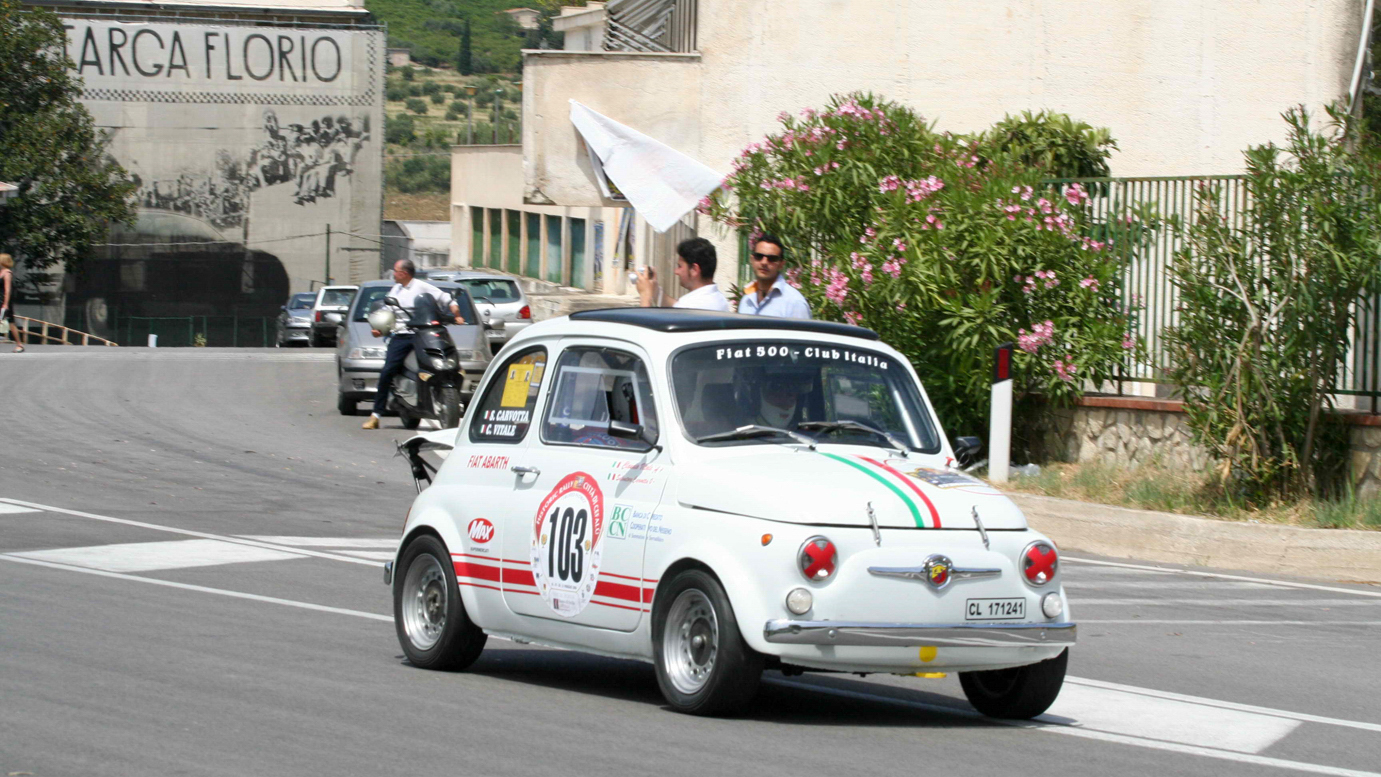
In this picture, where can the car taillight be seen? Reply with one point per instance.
(817, 559)
(526, 312)
(1039, 562)
(318, 316)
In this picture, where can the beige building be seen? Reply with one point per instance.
(1184, 85)
(527, 18)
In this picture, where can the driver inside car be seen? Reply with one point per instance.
(780, 400)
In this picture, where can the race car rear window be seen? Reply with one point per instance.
(505, 412)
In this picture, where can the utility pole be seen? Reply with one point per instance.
(328, 257)
(470, 115)
(498, 93)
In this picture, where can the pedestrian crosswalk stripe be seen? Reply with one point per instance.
(9, 509)
(326, 542)
(151, 556)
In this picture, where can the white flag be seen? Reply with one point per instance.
(660, 182)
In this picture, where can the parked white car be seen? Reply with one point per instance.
(719, 494)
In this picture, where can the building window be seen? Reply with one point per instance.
(555, 260)
(495, 238)
(578, 253)
(533, 268)
(515, 240)
(476, 257)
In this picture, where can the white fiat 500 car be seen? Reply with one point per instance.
(722, 494)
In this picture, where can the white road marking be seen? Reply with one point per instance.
(169, 354)
(150, 556)
(1115, 711)
(13, 509)
(1219, 576)
(1227, 602)
(325, 542)
(198, 588)
(1054, 727)
(372, 555)
(1300, 716)
(189, 532)
(1169, 622)
(1165, 585)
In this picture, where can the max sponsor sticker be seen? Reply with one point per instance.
(567, 544)
(480, 531)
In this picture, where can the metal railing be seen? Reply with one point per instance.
(651, 25)
(188, 331)
(37, 330)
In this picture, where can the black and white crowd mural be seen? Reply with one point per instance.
(311, 159)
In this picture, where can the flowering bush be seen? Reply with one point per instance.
(946, 245)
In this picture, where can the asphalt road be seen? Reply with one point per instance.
(190, 552)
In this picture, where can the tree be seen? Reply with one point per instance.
(69, 188)
(946, 245)
(464, 63)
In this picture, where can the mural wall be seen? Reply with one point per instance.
(246, 143)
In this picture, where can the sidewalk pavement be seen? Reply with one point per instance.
(1345, 555)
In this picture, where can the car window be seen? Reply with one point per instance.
(365, 302)
(505, 412)
(300, 303)
(592, 386)
(819, 390)
(496, 291)
(337, 297)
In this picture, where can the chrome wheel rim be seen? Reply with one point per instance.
(690, 641)
(424, 602)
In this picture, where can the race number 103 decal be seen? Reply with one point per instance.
(566, 547)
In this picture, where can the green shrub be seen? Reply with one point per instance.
(401, 130)
(430, 88)
(408, 73)
(1267, 305)
(396, 94)
(419, 174)
(417, 105)
(946, 245)
(438, 98)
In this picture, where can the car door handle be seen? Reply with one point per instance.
(533, 471)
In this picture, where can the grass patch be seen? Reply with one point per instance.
(1155, 487)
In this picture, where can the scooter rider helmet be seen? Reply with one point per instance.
(382, 320)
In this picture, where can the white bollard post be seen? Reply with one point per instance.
(1000, 416)
(153, 341)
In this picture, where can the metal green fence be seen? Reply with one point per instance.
(186, 331)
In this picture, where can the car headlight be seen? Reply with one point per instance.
(465, 356)
(366, 352)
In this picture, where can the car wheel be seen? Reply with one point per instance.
(448, 406)
(313, 341)
(1021, 692)
(432, 625)
(703, 665)
(346, 405)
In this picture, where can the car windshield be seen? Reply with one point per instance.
(827, 392)
(371, 297)
(337, 298)
(494, 290)
(300, 302)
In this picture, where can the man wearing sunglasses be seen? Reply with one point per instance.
(769, 294)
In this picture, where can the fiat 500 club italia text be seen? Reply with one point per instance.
(719, 494)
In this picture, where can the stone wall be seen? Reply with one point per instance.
(1128, 431)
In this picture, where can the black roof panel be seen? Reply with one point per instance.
(684, 320)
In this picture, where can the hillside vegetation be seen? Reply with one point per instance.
(434, 29)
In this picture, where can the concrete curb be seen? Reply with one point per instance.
(1332, 554)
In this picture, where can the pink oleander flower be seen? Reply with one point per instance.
(783, 116)
(889, 184)
(893, 266)
(1065, 369)
(703, 206)
(793, 277)
(837, 289)
(1075, 194)
(867, 274)
(1089, 283)
(901, 307)
(1129, 342)
(854, 318)
(1040, 334)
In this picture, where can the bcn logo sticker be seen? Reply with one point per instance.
(481, 530)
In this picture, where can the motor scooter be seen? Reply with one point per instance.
(429, 385)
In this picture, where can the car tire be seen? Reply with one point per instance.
(1019, 693)
(448, 407)
(313, 341)
(433, 627)
(703, 665)
(346, 405)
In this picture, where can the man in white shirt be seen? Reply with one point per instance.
(769, 294)
(695, 265)
(406, 289)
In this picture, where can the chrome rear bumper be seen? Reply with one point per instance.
(853, 633)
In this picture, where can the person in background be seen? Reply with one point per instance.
(405, 289)
(769, 294)
(7, 300)
(695, 266)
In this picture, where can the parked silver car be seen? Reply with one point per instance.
(360, 355)
(499, 298)
(328, 309)
(295, 321)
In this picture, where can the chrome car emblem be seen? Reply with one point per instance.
(938, 571)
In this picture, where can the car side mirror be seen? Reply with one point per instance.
(966, 450)
(625, 430)
(391, 301)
